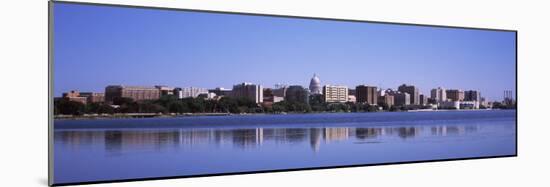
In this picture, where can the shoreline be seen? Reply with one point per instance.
(159, 115)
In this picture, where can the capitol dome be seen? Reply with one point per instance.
(315, 85)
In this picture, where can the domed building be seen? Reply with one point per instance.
(315, 85)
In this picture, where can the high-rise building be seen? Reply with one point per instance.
(386, 99)
(399, 98)
(423, 100)
(248, 90)
(315, 85)
(137, 93)
(297, 93)
(333, 94)
(472, 95)
(412, 91)
(366, 94)
(439, 94)
(455, 95)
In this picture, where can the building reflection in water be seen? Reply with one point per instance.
(118, 141)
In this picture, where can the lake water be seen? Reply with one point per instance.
(115, 149)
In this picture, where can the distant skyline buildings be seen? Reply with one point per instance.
(335, 94)
(439, 94)
(251, 91)
(178, 52)
(404, 96)
(366, 94)
(413, 91)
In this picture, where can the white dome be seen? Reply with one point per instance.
(315, 85)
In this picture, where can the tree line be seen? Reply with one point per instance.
(171, 104)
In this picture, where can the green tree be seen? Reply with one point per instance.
(68, 107)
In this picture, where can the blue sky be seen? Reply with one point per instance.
(96, 46)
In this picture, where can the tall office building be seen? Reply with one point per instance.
(315, 85)
(439, 94)
(386, 99)
(333, 94)
(399, 98)
(412, 91)
(297, 93)
(455, 95)
(366, 94)
(137, 93)
(472, 95)
(423, 100)
(248, 90)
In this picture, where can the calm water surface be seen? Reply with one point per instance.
(113, 149)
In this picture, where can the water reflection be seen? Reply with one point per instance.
(117, 141)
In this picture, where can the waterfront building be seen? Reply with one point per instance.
(219, 91)
(75, 95)
(469, 104)
(399, 98)
(412, 91)
(333, 93)
(386, 99)
(137, 93)
(423, 100)
(268, 95)
(352, 98)
(191, 92)
(178, 92)
(280, 91)
(297, 93)
(207, 95)
(402, 99)
(84, 97)
(366, 94)
(472, 95)
(484, 103)
(94, 97)
(455, 95)
(248, 90)
(269, 98)
(439, 94)
(165, 90)
(449, 105)
(315, 85)
(459, 105)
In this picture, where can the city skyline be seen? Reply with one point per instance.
(181, 49)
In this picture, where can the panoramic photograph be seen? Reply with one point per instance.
(143, 93)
